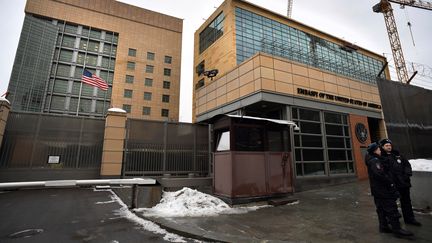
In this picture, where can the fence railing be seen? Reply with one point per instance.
(155, 148)
(30, 138)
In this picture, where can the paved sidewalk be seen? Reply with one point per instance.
(343, 213)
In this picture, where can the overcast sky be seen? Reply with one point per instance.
(353, 21)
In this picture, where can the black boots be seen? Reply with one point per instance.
(413, 222)
(385, 229)
(402, 233)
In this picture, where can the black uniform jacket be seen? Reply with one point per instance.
(400, 169)
(381, 181)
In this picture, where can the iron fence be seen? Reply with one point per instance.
(30, 138)
(154, 148)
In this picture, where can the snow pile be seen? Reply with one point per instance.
(145, 224)
(421, 164)
(192, 203)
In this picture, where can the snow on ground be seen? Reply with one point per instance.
(147, 225)
(192, 203)
(421, 164)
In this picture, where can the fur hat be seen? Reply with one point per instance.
(372, 147)
(385, 141)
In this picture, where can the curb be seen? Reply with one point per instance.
(180, 232)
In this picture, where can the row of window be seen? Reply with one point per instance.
(147, 81)
(67, 41)
(150, 56)
(323, 144)
(148, 69)
(147, 95)
(146, 111)
(255, 33)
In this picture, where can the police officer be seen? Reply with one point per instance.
(384, 192)
(401, 171)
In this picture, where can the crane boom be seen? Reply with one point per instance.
(399, 60)
(289, 10)
(414, 3)
(384, 7)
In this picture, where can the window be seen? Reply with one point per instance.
(147, 96)
(165, 98)
(312, 143)
(150, 56)
(129, 79)
(199, 84)
(132, 52)
(68, 41)
(131, 65)
(167, 72)
(249, 139)
(149, 69)
(148, 82)
(127, 108)
(166, 85)
(164, 112)
(223, 142)
(127, 93)
(146, 110)
(168, 59)
(211, 33)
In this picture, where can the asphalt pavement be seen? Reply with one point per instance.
(67, 215)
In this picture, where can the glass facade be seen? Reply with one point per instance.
(255, 33)
(80, 47)
(323, 144)
(52, 54)
(211, 33)
(32, 65)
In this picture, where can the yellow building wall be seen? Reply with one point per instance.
(281, 76)
(140, 29)
(264, 72)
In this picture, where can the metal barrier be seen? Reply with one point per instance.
(408, 116)
(70, 183)
(155, 148)
(30, 138)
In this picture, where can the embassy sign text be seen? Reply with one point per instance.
(336, 98)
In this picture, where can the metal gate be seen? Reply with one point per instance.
(154, 148)
(30, 138)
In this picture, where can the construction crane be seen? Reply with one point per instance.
(289, 10)
(384, 7)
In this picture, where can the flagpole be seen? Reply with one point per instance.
(79, 96)
(84, 66)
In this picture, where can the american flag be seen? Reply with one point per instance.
(93, 80)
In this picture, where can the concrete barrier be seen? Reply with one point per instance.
(421, 193)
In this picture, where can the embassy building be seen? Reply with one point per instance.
(271, 66)
(137, 51)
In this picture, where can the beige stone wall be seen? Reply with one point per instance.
(140, 29)
(263, 72)
(112, 154)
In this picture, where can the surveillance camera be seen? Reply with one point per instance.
(297, 129)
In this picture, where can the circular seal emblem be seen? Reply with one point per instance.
(361, 132)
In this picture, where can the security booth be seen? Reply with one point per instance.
(252, 158)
